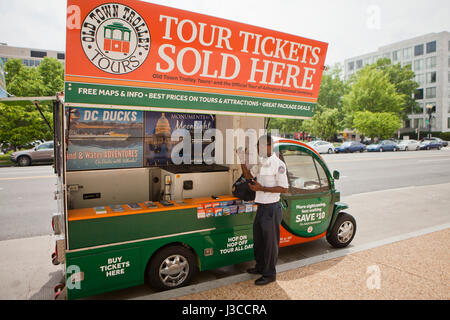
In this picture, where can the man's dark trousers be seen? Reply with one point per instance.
(266, 238)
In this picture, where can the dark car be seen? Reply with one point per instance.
(385, 145)
(350, 146)
(442, 142)
(430, 144)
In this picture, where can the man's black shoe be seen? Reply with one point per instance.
(264, 280)
(253, 271)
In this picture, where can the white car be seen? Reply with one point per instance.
(406, 145)
(322, 146)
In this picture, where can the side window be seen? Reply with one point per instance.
(305, 175)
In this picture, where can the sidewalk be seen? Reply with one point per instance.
(417, 268)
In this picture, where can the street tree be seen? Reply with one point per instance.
(403, 80)
(323, 124)
(381, 125)
(332, 89)
(20, 125)
(371, 90)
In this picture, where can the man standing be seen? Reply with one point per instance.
(271, 180)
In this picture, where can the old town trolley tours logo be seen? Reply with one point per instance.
(115, 38)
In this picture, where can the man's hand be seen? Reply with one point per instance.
(256, 186)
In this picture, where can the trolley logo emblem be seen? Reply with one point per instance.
(115, 38)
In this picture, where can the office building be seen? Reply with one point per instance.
(30, 57)
(429, 58)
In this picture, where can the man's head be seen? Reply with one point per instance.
(265, 143)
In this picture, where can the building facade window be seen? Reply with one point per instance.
(359, 64)
(396, 55)
(431, 47)
(431, 92)
(431, 62)
(387, 55)
(367, 61)
(431, 77)
(418, 94)
(375, 59)
(420, 79)
(407, 53)
(418, 65)
(351, 66)
(448, 123)
(407, 64)
(61, 56)
(38, 54)
(418, 50)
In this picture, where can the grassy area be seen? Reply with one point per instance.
(4, 160)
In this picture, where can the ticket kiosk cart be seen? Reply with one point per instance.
(128, 214)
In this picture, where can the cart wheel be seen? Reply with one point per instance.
(343, 231)
(53, 255)
(58, 287)
(55, 261)
(171, 268)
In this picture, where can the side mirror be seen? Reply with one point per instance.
(336, 175)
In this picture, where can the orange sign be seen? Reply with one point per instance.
(137, 44)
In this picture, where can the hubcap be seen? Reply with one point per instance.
(174, 270)
(345, 232)
(23, 161)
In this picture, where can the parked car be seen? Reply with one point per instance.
(322, 146)
(385, 145)
(442, 142)
(408, 145)
(430, 144)
(40, 153)
(350, 146)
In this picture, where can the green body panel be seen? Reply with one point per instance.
(307, 215)
(102, 231)
(135, 256)
(141, 97)
(338, 207)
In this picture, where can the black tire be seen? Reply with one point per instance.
(338, 237)
(361, 150)
(24, 161)
(381, 150)
(428, 148)
(330, 151)
(182, 273)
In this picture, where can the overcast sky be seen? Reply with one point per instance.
(351, 27)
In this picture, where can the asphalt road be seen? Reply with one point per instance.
(26, 201)
(26, 194)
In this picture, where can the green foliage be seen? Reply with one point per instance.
(372, 91)
(45, 80)
(376, 124)
(52, 73)
(332, 88)
(285, 125)
(403, 80)
(26, 83)
(324, 124)
(20, 125)
(12, 68)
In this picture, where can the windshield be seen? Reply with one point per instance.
(404, 142)
(346, 144)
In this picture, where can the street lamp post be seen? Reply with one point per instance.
(430, 109)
